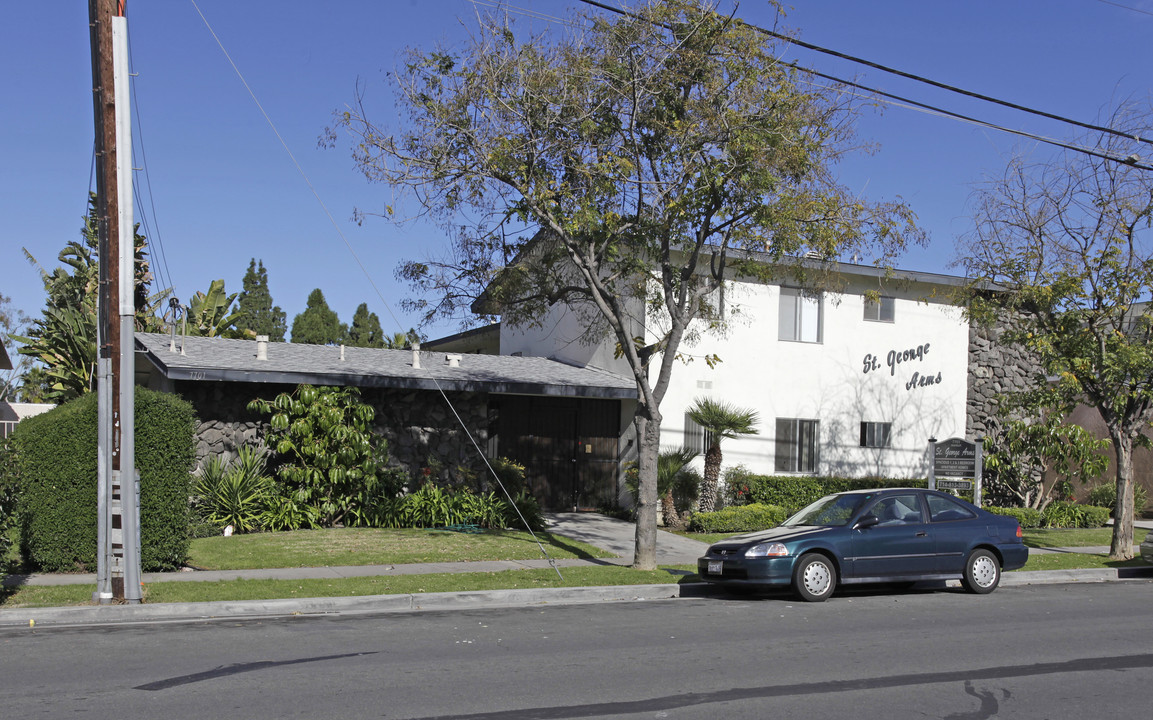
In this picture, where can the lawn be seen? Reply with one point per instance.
(357, 546)
(373, 546)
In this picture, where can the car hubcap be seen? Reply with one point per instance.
(984, 571)
(817, 578)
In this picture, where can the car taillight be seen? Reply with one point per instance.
(1019, 533)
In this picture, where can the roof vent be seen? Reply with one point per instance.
(416, 356)
(452, 360)
(261, 347)
(342, 353)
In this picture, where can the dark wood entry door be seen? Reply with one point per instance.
(567, 445)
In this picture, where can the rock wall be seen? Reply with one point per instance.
(994, 370)
(420, 428)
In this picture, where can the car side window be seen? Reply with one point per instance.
(898, 510)
(942, 509)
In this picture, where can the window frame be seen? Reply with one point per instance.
(797, 445)
(791, 304)
(869, 435)
(878, 308)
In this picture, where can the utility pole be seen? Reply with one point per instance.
(118, 513)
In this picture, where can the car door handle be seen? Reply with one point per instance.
(922, 534)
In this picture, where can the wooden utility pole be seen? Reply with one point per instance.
(118, 556)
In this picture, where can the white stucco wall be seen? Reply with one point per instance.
(560, 336)
(841, 381)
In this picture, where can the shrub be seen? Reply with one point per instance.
(236, 493)
(1062, 514)
(1026, 517)
(527, 514)
(8, 495)
(1105, 495)
(794, 492)
(740, 518)
(57, 471)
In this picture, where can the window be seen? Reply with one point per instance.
(876, 434)
(696, 437)
(796, 449)
(898, 510)
(879, 310)
(800, 316)
(943, 509)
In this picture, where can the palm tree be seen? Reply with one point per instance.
(720, 420)
(672, 466)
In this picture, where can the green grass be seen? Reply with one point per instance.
(237, 590)
(371, 546)
(1076, 537)
(1077, 561)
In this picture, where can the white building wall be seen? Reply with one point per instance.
(910, 372)
(560, 336)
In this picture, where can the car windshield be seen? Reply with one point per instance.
(831, 510)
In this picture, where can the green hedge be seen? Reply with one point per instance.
(738, 518)
(1027, 517)
(57, 468)
(794, 492)
(1064, 514)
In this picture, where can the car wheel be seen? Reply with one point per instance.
(982, 572)
(814, 577)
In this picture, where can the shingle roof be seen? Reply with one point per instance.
(218, 359)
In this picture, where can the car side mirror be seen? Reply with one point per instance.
(867, 521)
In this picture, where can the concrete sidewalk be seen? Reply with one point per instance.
(616, 536)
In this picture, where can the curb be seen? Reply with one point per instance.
(430, 602)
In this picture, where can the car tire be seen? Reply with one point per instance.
(814, 577)
(982, 572)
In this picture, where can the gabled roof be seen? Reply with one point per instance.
(5, 363)
(221, 360)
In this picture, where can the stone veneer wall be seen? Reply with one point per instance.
(418, 425)
(994, 369)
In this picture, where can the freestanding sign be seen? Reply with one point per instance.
(956, 458)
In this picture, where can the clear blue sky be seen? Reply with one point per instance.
(223, 190)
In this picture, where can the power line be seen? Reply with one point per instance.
(1131, 160)
(1125, 7)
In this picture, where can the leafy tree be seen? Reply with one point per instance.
(331, 461)
(63, 339)
(720, 420)
(1025, 462)
(401, 340)
(318, 324)
(365, 331)
(210, 313)
(258, 315)
(12, 323)
(1065, 242)
(648, 151)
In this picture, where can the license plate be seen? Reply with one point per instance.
(715, 567)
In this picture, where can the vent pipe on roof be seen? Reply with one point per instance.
(261, 347)
(452, 360)
(342, 353)
(416, 356)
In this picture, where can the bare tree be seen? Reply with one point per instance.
(1065, 243)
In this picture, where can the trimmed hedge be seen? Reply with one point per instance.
(1026, 517)
(57, 469)
(739, 518)
(1064, 514)
(794, 492)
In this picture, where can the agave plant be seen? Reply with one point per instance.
(236, 493)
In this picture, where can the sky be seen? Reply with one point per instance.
(218, 187)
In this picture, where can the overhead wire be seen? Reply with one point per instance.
(911, 76)
(368, 276)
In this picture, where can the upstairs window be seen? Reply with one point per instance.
(696, 437)
(800, 316)
(879, 310)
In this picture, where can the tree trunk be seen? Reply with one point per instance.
(648, 440)
(669, 511)
(712, 473)
(1121, 547)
